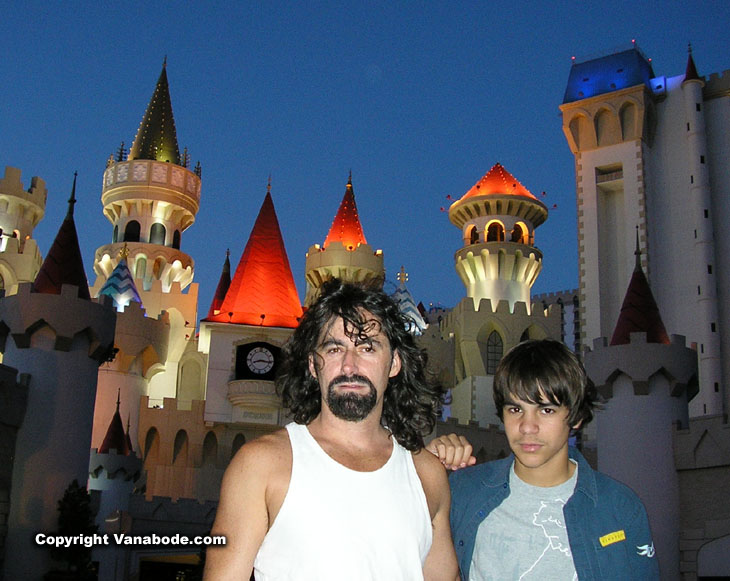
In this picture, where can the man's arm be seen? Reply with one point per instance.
(452, 450)
(244, 507)
(441, 562)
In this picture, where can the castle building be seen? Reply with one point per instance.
(649, 153)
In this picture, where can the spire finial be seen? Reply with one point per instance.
(637, 252)
(72, 199)
(349, 178)
(123, 252)
(164, 62)
(228, 252)
(128, 423)
(402, 276)
(268, 186)
(119, 391)
(689, 47)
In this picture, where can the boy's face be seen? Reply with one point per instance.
(538, 437)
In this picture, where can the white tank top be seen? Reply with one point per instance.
(339, 524)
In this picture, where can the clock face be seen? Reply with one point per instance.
(260, 360)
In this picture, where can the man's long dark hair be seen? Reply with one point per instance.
(412, 401)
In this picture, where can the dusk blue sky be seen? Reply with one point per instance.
(418, 99)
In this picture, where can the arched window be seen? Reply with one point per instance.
(518, 234)
(158, 267)
(238, 441)
(210, 448)
(495, 350)
(180, 448)
(115, 236)
(131, 231)
(157, 234)
(176, 240)
(151, 447)
(495, 232)
(473, 235)
(140, 268)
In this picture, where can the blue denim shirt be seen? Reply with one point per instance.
(608, 529)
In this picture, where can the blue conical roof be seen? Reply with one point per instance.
(120, 286)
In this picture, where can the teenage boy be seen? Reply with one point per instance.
(544, 513)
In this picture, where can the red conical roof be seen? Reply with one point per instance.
(690, 73)
(639, 312)
(223, 284)
(63, 264)
(346, 226)
(498, 181)
(115, 438)
(262, 291)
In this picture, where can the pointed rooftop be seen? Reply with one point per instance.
(120, 284)
(346, 226)
(262, 291)
(639, 311)
(224, 284)
(156, 137)
(63, 264)
(690, 73)
(407, 304)
(115, 438)
(498, 181)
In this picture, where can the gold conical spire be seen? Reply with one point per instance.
(156, 138)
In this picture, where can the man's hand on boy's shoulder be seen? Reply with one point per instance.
(453, 451)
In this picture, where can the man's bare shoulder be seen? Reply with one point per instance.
(428, 465)
(433, 479)
(264, 454)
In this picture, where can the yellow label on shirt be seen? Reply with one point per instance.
(612, 538)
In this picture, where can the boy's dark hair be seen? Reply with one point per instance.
(545, 369)
(412, 402)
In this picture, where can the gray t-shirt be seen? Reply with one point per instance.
(525, 536)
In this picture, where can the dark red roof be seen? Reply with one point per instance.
(639, 313)
(63, 264)
(223, 284)
(346, 226)
(115, 438)
(690, 73)
(262, 291)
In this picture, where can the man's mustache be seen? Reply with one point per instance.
(345, 379)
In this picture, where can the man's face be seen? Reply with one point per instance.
(353, 368)
(538, 437)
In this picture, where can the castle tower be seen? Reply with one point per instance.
(113, 469)
(704, 258)
(498, 264)
(151, 198)
(499, 260)
(49, 330)
(650, 151)
(20, 212)
(243, 340)
(646, 379)
(345, 253)
(141, 344)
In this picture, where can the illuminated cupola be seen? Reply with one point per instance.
(345, 253)
(262, 291)
(151, 198)
(498, 217)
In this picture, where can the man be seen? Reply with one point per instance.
(342, 492)
(544, 513)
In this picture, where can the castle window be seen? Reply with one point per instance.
(180, 448)
(702, 159)
(140, 268)
(495, 350)
(131, 231)
(495, 232)
(699, 292)
(518, 234)
(210, 448)
(176, 240)
(691, 179)
(713, 327)
(238, 441)
(707, 214)
(698, 106)
(717, 387)
(709, 269)
(157, 234)
(687, 126)
(115, 236)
